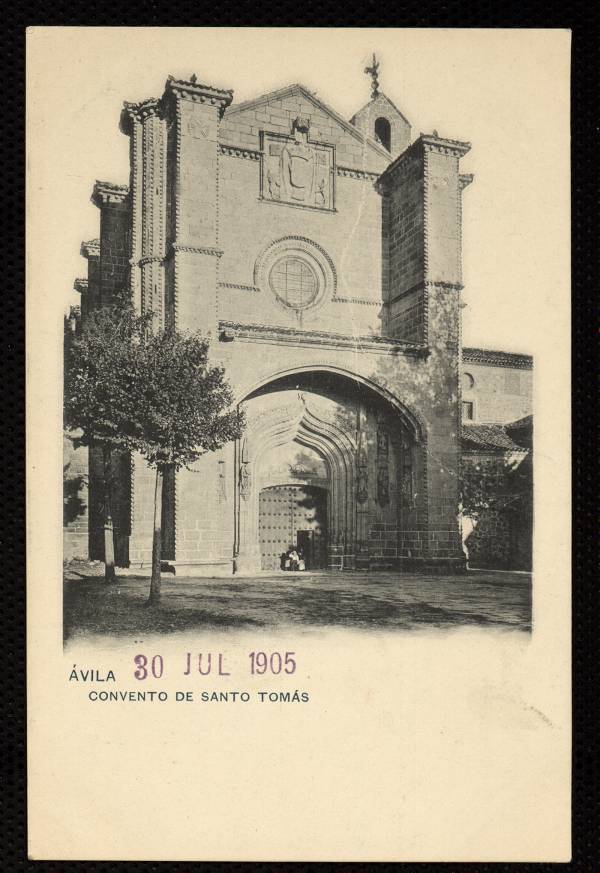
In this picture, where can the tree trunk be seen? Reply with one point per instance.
(109, 533)
(156, 539)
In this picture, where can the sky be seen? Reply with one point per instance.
(504, 91)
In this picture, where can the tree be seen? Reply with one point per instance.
(98, 402)
(184, 410)
(133, 389)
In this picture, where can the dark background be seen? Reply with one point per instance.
(582, 18)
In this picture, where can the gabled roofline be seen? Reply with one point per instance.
(289, 91)
(393, 105)
(391, 102)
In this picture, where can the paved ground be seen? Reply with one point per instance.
(352, 599)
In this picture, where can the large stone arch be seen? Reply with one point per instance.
(355, 511)
(409, 415)
(305, 427)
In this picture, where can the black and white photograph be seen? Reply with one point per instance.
(299, 365)
(272, 408)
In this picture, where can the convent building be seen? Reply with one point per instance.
(323, 258)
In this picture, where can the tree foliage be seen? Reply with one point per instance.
(184, 405)
(155, 393)
(99, 365)
(495, 484)
(131, 388)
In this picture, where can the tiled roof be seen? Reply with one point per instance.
(487, 438)
(520, 423)
(496, 358)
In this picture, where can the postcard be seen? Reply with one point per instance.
(299, 365)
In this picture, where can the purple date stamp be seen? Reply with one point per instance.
(259, 663)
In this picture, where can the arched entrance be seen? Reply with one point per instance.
(316, 440)
(292, 515)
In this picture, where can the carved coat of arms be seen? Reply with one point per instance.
(296, 170)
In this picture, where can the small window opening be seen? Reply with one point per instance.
(467, 410)
(383, 132)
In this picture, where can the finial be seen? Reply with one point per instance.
(373, 71)
(193, 78)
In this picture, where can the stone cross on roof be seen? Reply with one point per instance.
(373, 72)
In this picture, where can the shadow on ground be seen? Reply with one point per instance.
(382, 600)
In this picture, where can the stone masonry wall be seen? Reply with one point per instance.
(114, 249)
(500, 394)
(350, 237)
(406, 316)
(403, 236)
(242, 124)
(395, 247)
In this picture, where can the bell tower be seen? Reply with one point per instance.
(380, 119)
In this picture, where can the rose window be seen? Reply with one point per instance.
(294, 281)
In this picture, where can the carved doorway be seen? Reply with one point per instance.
(292, 515)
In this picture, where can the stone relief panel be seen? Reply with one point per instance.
(297, 171)
(383, 486)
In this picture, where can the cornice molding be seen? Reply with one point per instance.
(237, 152)
(358, 300)
(199, 250)
(445, 286)
(197, 92)
(137, 113)
(238, 287)
(292, 336)
(108, 193)
(454, 147)
(425, 142)
(90, 249)
(493, 358)
(350, 173)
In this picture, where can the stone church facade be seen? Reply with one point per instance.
(323, 258)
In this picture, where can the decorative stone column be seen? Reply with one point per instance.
(154, 210)
(194, 112)
(131, 125)
(145, 124)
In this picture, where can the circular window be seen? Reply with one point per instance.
(294, 281)
(299, 273)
